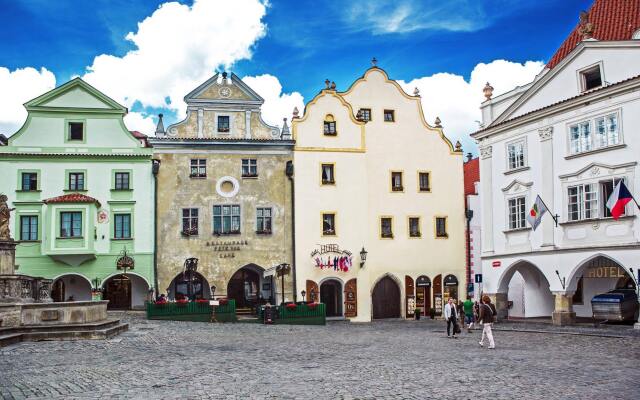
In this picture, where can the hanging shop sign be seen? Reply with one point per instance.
(103, 216)
(423, 281)
(125, 262)
(450, 280)
(227, 248)
(330, 256)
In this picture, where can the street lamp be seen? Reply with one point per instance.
(282, 270)
(363, 257)
(303, 293)
(213, 292)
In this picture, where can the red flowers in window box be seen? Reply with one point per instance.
(291, 306)
(223, 302)
(312, 306)
(202, 301)
(182, 302)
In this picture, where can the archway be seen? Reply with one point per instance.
(423, 294)
(71, 287)
(596, 275)
(386, 299)
(528, 293)
(245, 287)
(331, 296)
(190, 285)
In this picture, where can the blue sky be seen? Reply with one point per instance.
(300, 43)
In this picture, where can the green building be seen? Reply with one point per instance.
(83, 188)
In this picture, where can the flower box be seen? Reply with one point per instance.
(223, 302)
(291, 306)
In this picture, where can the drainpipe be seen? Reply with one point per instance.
(155, 168)
(469, 215)
(289, 172)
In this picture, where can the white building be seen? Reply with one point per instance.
(568, 136)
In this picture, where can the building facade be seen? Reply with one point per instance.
(569, 136)
(379, 217)
(82, 187)
(471, 171)
(224, 198)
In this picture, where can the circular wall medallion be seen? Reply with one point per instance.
(227, 186)
(224, 91)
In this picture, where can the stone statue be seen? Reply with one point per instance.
(5, 214)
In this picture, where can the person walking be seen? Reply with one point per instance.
(487, 317)
(467, 306)
(450, 316)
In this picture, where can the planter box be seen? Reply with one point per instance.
(301, 315)
(192, 311)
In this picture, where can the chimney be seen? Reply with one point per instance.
(469, 157)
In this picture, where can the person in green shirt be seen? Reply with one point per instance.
(468, 313)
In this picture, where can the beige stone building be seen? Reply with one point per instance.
(223, 197)
(374, 180)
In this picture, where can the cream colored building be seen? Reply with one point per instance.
(223, 197)
(371, 174)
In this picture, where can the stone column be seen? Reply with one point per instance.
(546, 188)
(500, 300)
(563, 313)
(247, 130)
(200, 122)
(7, 257)
(486, 199)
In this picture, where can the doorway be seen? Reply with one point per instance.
(244, 288)
(331, 296)
(71, 287)
(386, 299)
(117, 290)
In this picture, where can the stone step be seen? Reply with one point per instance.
(107, 331)
(100, 325)
(9, 339)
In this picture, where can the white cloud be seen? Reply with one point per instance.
(457, 101)
(16, 88)
(177, 48)
(136, 121)
(277, 105)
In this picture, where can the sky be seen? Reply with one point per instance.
(148, 54)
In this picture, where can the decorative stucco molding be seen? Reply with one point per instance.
(485, 152)
(545, 133)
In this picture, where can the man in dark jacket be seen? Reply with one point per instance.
(487, 317)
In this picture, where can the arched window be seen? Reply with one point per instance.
(330, 125)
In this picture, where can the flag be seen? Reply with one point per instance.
(537, 211)
(618, 199)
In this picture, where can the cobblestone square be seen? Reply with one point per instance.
(385, 359)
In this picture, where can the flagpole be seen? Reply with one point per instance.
(555, 218)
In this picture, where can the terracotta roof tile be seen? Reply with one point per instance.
(471, 172)
(611, 19)
(72, 198)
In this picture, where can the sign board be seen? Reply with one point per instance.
(423, 281)
(438, 303)
(450, 280)
(496, 264)
(214, 302)
(331, 256)
(605, 272)
(478, 278)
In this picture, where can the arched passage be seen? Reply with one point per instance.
(71, 287)
(125, 291)
(386, 298)
(190, 285)
(596, 275)
(245, 287)
(331, 296)
(527, 290)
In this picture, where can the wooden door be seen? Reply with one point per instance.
(386, 299)
(410, 298)
(331, 296)
(350, 298)
(118, 292)
(437, 295)
(313, 293)
(57, 292)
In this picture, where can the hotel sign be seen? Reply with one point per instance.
(330, 256)
(605, 272)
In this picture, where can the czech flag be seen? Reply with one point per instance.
(618, 200)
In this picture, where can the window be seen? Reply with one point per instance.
(263, 220)
(29, 181)
(198, 168)
(389, 116)
(76, 131)
(226, 219)
(414, 227)
(396, 182)
(364, 114)
(29, 227)
(594, 134)
(423, 182)
(328, 224)
(606, 188)
(330, 128)
(70, 224)
(76, 181)
(223, 123)
(122, 226)
(122, 181)
(515, 155)
(189, 221)
(249, 168)
(328, 178)
(386, 227)
(517, 212)
(441, 227)
(583, 202)
(591, 78)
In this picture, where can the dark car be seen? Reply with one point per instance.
(616, 305)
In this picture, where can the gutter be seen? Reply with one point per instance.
(294, 283)
(155, 168)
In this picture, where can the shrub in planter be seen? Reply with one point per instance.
(432, 313)
(417, 313)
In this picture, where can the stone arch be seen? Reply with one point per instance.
(137, 291)
(245, 286)
(401, 293)
(526, 290)
(201, 288)
(578, 270)
(331, 294)
(65, 286)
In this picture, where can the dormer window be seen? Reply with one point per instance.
(330, 126)
(223, 123)
(76, 131)
(591, 78)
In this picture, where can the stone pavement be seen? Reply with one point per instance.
(382, 360)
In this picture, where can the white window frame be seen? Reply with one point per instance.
(580, 76)
(525, 160)
(520, 224)
(592, 123)
(581, 201)
(215, 131)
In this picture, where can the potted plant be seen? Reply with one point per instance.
(418, 312)
(432, 313)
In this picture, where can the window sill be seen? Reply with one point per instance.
(197, 177)
(327, 183)
(263, 232)
(226, 233)
(397, 190)
(188, 234)
(75, 191)
(249, 176)
(516, 170)
(121, 239)
(597, 220)
(415, 236)
(328, 234)
(596, 151)
(122, 190)
(442, 236)
(386, 237)
(28, 191)
(69, 237)
(29, 241)
(507, 231)
(424, 191)
(331, 134)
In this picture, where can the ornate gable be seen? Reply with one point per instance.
(78, 95)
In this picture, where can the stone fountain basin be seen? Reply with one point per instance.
(44, 314)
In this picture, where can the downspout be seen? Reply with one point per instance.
(155, 168)
(469, 215)
(289, 172)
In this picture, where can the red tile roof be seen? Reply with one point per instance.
(471, 172)
(138, 135)
(611, 19)
(72, 198)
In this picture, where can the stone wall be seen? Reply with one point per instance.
(77, 312)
